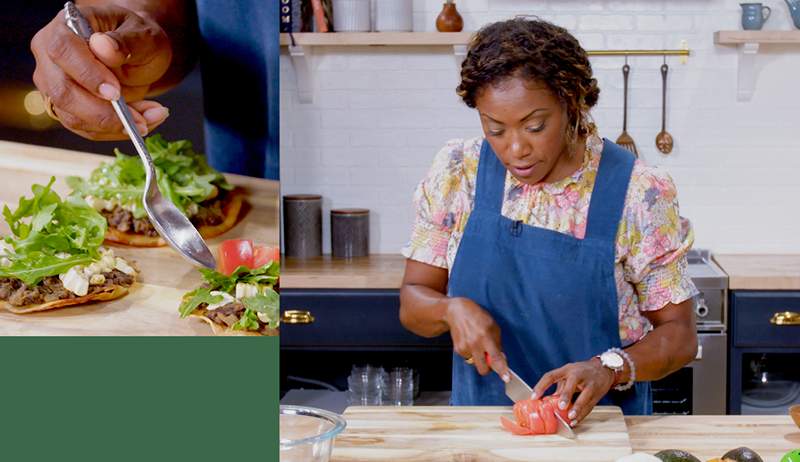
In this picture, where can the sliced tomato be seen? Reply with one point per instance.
(536, 420)
(264, 254)
(234, 253)
(513, 427)
(548, 416)
(564, 413)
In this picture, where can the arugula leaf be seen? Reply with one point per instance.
(248, 321)
(267, 303)
(43, 226)
(264, 275)
(183, 176)
(195, 298)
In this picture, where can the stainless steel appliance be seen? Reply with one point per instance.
(699, 388)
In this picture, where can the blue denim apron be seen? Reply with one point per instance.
(553, 295)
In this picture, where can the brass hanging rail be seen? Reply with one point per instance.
(638, 52)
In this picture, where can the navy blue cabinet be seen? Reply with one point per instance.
(764, 356)
(355, 327)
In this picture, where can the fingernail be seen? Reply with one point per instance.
(533, 395)
(113, 42)
(562, 405)
(108, 91)
(155, 114)
(506, 377)
(572, 414)
(573, 423)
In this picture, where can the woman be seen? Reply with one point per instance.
(553, 251)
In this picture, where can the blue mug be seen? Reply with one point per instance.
(754, 15)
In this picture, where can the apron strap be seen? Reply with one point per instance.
(491, 180)
(610, 189)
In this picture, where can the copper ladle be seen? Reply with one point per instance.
(663, 139)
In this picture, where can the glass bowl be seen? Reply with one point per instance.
(307, 433)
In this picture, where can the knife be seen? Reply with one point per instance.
(518, 390)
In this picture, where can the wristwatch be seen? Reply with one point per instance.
(614, 361)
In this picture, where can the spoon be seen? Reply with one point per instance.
(169, 222)
(663, 139)
(625, 139)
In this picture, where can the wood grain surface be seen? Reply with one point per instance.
(474, 434)
(151, 307)
(377, 271)
(761, 272)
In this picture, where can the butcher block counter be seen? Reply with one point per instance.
(385, 271)
(419, 433)
(151, 307)
(377, 271)
(761, 272)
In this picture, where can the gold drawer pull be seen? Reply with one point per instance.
(297, 317)
(786, 318)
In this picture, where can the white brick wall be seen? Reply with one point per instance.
(380, 115)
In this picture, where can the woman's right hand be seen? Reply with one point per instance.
(126, 55)
(475, 333)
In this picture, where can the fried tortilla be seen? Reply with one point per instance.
(231, 209)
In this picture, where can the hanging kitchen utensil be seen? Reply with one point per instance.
(663, 139)
(625, 139)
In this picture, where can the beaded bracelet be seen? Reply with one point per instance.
(631, 365)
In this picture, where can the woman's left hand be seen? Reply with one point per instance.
(590, 378)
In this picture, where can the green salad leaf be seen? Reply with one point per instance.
(195, 298)
(183, 176)
(50, 235)
(267, 301)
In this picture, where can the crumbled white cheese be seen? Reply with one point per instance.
(5, 261)
(75, 281)
(263, 317)
(97, 279)
(63, 255)
(123, 266)
(100, 204)
(246, 290)
(226, 299)
(192, 209)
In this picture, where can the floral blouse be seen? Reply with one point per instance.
(652, 241)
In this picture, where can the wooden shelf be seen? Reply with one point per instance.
(748, 43)
(301, 51)
(377, 38)
(738, 37)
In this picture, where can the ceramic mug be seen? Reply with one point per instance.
(754, 15)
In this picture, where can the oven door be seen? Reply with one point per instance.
(699, 388)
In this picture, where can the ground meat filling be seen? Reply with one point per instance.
(228, 315)
(209, 213)
(50, 289)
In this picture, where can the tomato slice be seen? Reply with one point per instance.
(548, 416)
(234, 253)
(564, 413)
(513, 427)
(536, 421)
(264, 254)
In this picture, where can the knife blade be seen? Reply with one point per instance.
(518, 390)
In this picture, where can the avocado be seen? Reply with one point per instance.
(742, 455)
(791, 456)
(676, 455)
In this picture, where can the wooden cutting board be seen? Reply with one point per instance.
(151, 307)
(471, 434)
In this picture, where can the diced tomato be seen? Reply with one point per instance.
(513, 427)
(234, 253)
(547, 414)
(264, 254)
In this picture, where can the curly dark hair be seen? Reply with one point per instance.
(535, 50)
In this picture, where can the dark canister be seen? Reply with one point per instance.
(349, 233)
(302, 225)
